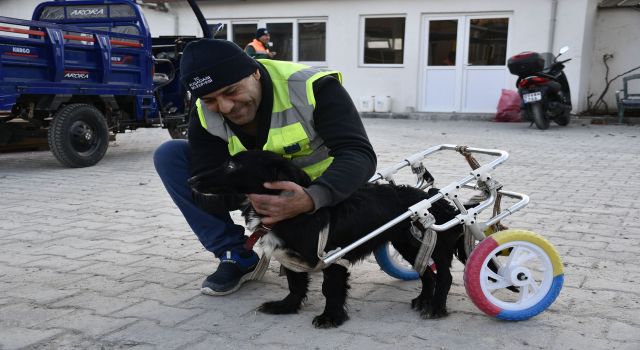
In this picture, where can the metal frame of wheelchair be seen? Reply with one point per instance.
(510, 274)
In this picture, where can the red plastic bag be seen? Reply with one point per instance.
(508, 107)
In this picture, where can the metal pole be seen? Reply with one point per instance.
(552, 24)
(206, 32)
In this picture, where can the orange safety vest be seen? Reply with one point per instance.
(259, 47)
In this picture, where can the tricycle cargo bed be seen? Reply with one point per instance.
(47, 58)
(85, 70)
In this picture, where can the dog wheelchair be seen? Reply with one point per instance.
(510, 274)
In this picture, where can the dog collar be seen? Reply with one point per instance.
(255, 236)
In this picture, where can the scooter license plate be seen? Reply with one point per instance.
(532, 97)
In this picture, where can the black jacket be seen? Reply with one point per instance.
(337, 123)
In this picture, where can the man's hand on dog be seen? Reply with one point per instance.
(291, 202)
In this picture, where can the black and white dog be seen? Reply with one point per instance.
(367, 209)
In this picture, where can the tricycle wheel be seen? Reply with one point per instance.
(524, 260)
(78, 135)
(178, 131)
(393, 264)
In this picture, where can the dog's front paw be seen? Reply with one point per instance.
(419, 304)
(427, 309)
(437, 313)
(278, 308)
(430, 311)
(326, 320)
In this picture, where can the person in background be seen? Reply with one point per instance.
(259, 47)
(299, 112)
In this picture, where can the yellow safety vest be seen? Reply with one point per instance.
(291, 133)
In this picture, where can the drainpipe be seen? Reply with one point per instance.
(552, 24)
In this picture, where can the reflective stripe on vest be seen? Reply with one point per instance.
(291, 132)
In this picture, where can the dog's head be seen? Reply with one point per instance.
(246, 172)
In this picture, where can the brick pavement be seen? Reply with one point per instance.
(100, 257)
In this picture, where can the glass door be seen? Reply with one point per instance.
(484, 71)
(464, 64)
(441, 92)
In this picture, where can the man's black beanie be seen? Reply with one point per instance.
(210, 64)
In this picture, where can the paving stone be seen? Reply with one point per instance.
(164, 315)
(108, 255)
(16, 259)
(167, 296)
(624, 332)
(107, 260)
(102, 305)
(91, 325)
(103, 284)
(76, 340)
(567, 340)
(43, 294)
(163, 277)
(37, 275)
(174, 265)
(28, 315)
(58, 263)
(15, 338)
(109, 269)
(147, 332)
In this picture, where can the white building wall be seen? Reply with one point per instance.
(617, 34)
(22, 9)
(529, 31)
(575, 27)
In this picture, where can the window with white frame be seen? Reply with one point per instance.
(281, 41)
(242, 33)
(383, 40)
(299, 40)
(312, 41)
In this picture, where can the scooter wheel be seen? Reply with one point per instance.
(526, 262)
(539, 116)
(393, 264)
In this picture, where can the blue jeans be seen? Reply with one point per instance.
(217, 234)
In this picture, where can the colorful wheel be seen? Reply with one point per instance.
(393, 264)
(528, 279)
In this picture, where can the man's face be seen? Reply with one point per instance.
(237, 102)
(265, 39)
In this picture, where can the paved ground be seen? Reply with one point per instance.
(101, 258)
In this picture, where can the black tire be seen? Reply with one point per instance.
(78, 135)
(178, 131)
(563, 119)
(539, 116)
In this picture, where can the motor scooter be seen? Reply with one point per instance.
(543, 87)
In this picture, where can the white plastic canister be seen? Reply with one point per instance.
(382, 104)
(366, 103)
